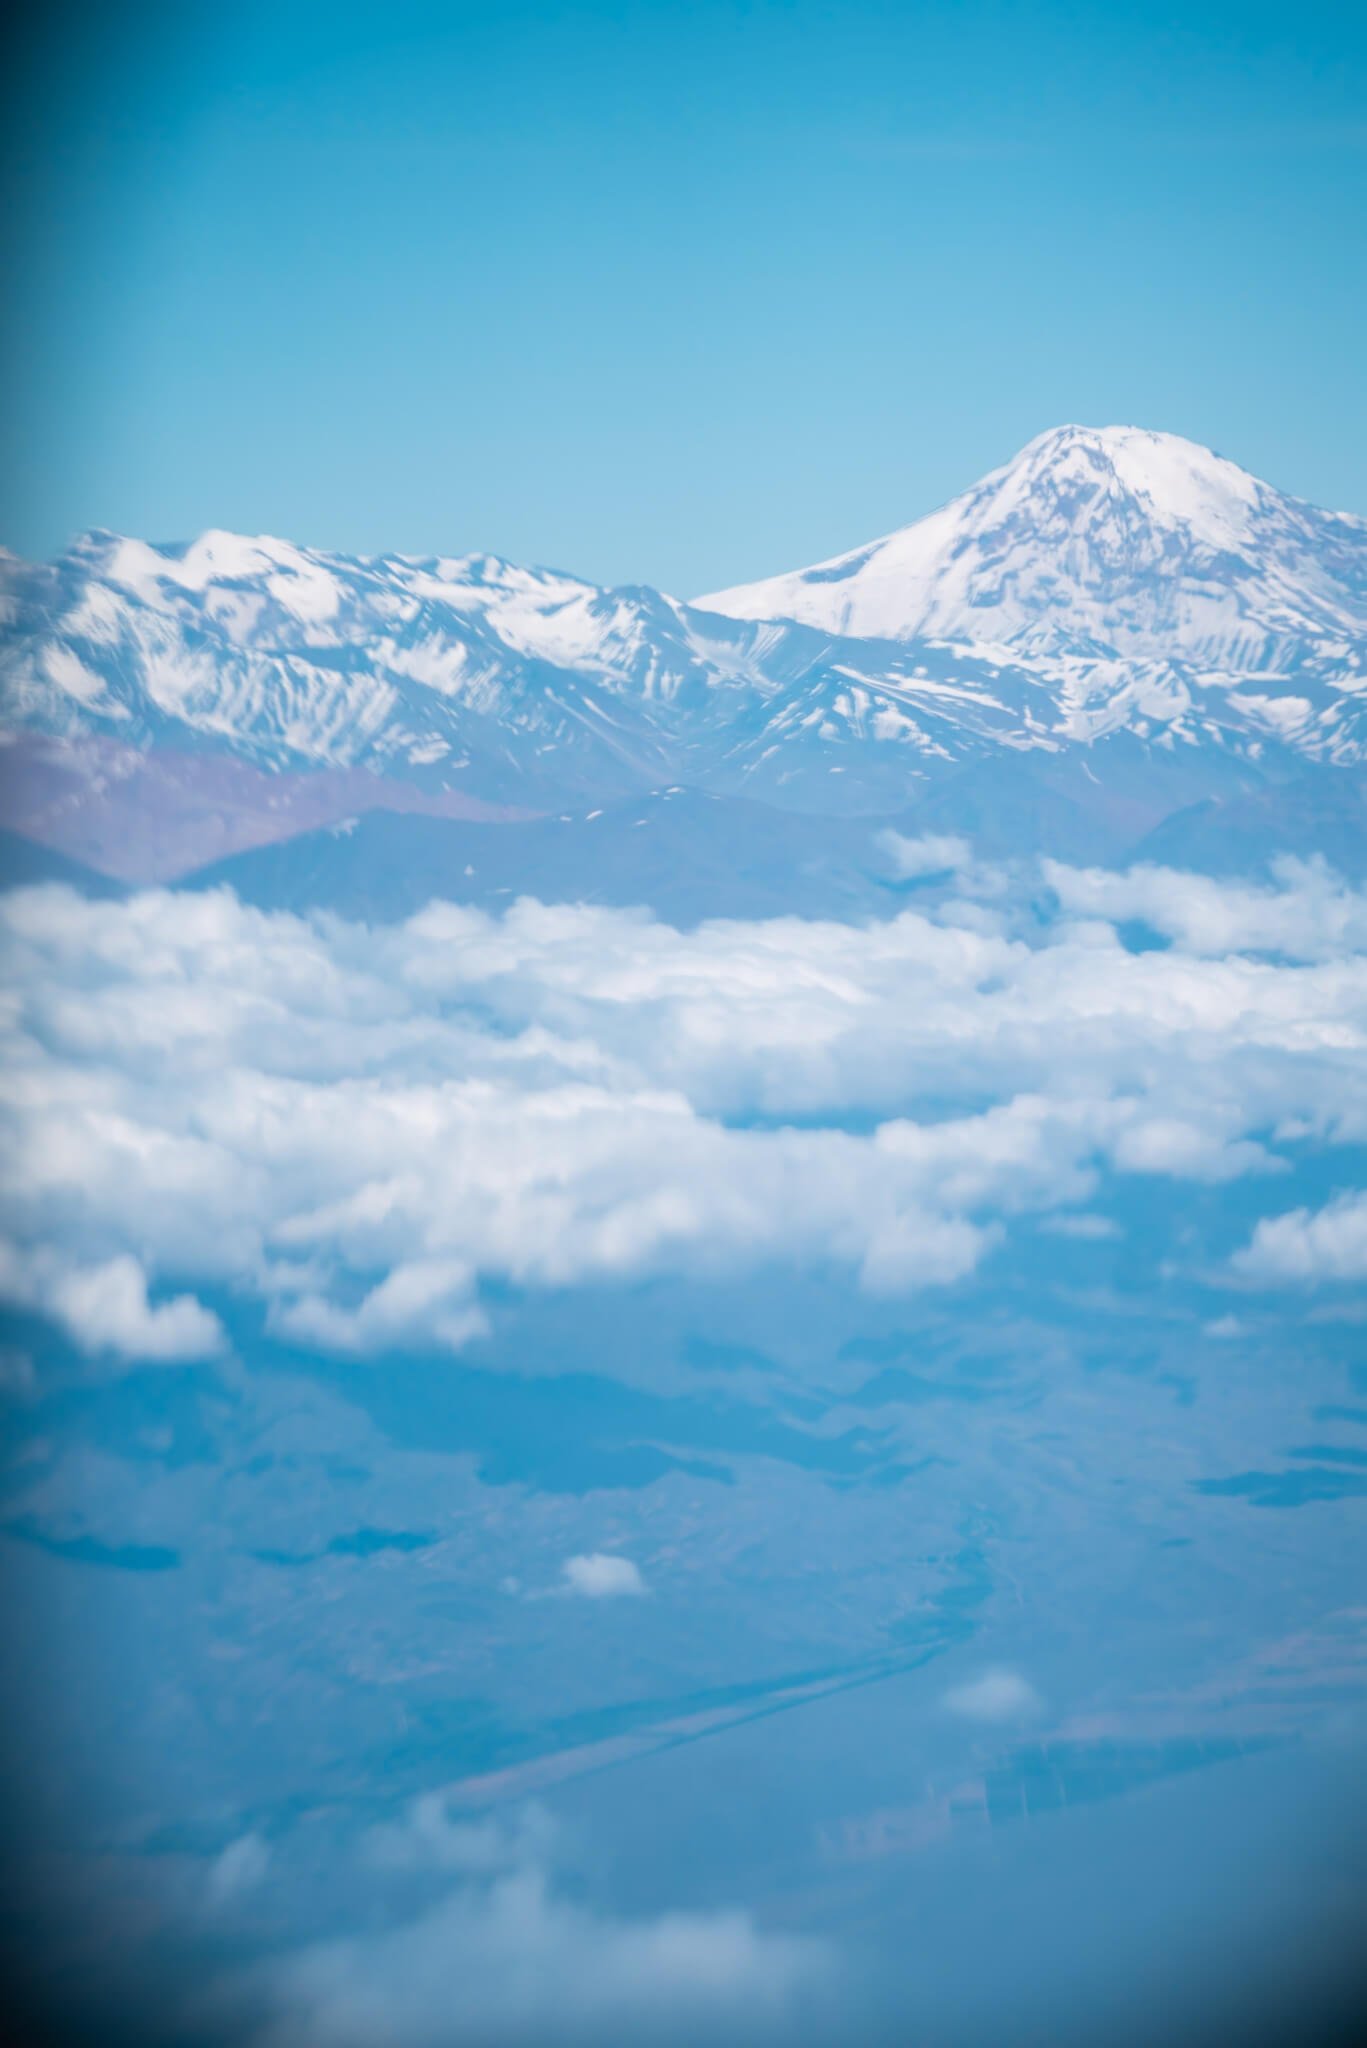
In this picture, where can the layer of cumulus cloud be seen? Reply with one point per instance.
(357, 1131)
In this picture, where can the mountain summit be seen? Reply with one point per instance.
(1098, 539)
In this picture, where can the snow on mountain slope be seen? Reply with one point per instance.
(1104, 585)
(1107, 541)
(470, 668)
(514, 684)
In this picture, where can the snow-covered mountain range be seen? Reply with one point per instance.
(1114, 605)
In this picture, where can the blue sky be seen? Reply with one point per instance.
(664, 293)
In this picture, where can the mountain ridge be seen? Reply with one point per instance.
(1105, 582)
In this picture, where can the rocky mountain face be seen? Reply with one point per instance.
(1117, 624)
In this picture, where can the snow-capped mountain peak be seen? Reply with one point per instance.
(1180, 484)
(1109, 538)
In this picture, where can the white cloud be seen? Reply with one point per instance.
(1308, 1245)
(1307, 913)
(931, 854)
(1185, 1148)
(994, 1696)
(912, 1250)
(419, 1299)
(601, 1576)
(516, 1962)
(358, 1128)
(507, 1958)
(105, 1308)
